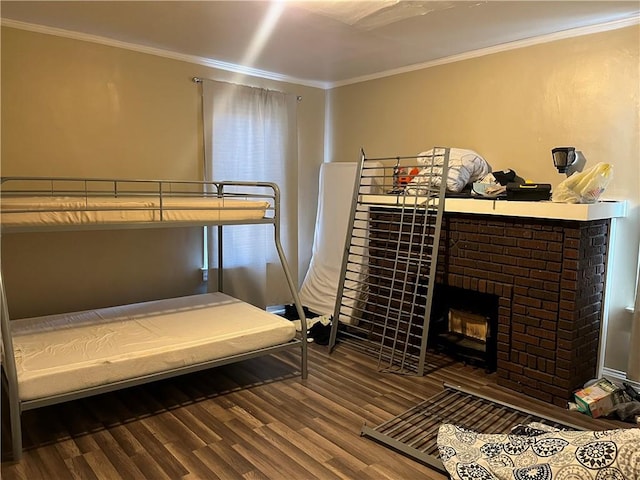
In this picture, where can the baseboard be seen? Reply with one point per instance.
(618, 376)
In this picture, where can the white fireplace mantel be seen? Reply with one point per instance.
(510, 208)
(543, 209)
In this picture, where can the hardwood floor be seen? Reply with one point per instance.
(253, 420)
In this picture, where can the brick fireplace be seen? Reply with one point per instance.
(549, 276)
(542, 263)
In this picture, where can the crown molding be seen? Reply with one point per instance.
(254, 72)
(552, 37)
(207, 62)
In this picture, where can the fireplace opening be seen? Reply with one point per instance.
(464, 325)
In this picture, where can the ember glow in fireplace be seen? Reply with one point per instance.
(464, 325)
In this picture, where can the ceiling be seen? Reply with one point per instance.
(319, 43)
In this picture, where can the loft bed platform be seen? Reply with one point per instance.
(36, 203)
(58, 358)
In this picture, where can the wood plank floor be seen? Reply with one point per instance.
(253, 420)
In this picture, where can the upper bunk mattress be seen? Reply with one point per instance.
(30, 211)
(62, 353)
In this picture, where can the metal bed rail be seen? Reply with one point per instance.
(389, 263)
(415, 431)
(154, 195)
(16, 187)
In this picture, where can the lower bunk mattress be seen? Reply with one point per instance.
(57, 354)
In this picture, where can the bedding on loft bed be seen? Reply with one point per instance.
(97, 210)
(57, 358)
(41, 202)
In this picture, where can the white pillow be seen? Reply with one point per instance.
(465, 167)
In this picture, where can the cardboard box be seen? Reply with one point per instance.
(599, 399)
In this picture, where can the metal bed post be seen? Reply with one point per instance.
(283, 261)
(220, 188)
(287, 273)
(11, 376)
(434, 258)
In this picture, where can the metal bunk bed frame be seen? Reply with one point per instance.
(158, 190)
(388, 272)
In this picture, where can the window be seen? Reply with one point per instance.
(250, 135)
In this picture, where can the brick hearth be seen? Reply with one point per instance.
(549, 276)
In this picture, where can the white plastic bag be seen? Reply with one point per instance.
(584, 187)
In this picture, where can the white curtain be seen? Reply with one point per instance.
(251, 135)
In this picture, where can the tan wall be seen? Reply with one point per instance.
(74, 108)
(77, 108)
(512, 108)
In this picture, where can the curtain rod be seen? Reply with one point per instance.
(200, 80)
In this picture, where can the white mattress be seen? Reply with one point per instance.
(320, 285)
(96, 210)
(319, 288)
(63, 353)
